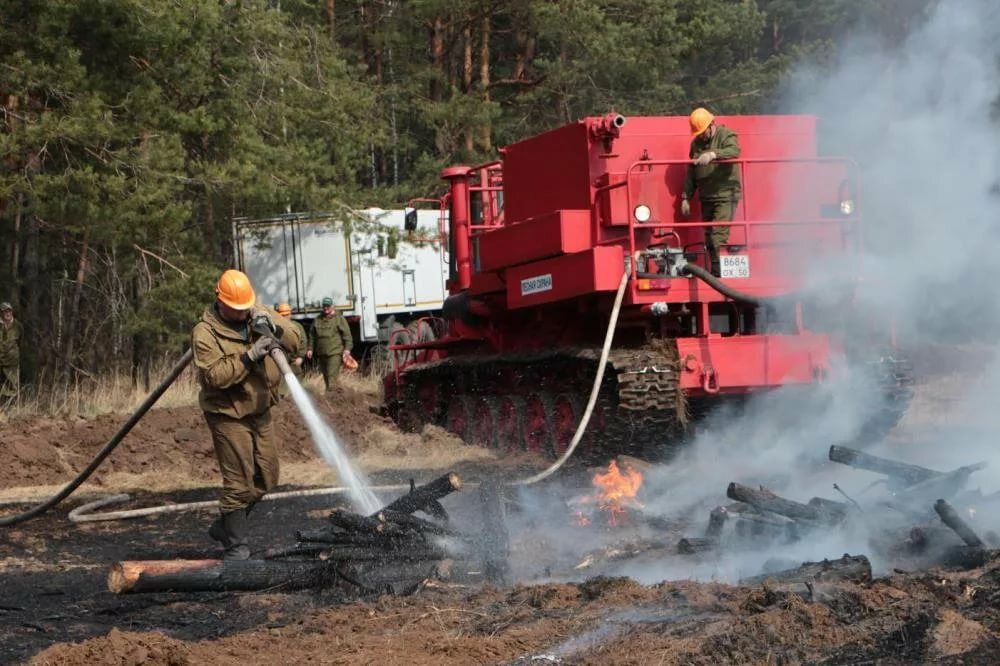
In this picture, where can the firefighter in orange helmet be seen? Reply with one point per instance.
(239, 385)
(718, 185)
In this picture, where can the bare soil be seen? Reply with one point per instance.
(55, 608)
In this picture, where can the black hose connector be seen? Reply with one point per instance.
(113, 443)
(720, 286)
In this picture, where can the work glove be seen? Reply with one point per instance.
(260, 348)
(685, 208)
(705, 158)
(260, 316)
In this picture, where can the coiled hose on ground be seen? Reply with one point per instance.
(112, 444)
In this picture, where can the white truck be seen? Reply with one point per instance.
(379, 266)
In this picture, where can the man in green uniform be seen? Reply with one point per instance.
(10, 354)
(329, 341)
(718, 185)
(239, 385)
(297, 357)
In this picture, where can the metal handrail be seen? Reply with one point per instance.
(744, 223)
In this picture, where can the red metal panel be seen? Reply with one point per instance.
(545, 173)
(559, 232)
(583, 273)
(742, 363)
(485, 283)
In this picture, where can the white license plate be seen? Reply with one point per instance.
(735, 265)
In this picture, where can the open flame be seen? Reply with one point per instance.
(614, 492)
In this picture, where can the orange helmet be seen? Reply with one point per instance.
(234, 290)
(700, 119)
(284, 309)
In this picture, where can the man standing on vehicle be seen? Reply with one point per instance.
(718, 185)
(329, 342)
(298, 357)
(239, 385)
(10, 354)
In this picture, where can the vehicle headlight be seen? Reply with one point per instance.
(642, 213)
(846, 207)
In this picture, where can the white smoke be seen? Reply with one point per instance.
(919, 117)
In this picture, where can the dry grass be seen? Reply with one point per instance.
(363, 383)
(113, 393)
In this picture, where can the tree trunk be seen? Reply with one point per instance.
(331, 20)
(437, 59)
(486, 130)
(467, 82)
(74, 308)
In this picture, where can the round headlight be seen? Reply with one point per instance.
(642, 213)
(846, 207)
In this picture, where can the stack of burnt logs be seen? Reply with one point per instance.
(913, 523)
(390, 551)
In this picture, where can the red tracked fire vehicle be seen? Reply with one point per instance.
(539, 243)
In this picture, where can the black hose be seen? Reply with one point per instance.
(722, 287)
(68, 489)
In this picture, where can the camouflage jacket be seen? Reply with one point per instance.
(10, 341)
(714, 182)
(303, 345)
(230, 386)
(329, 336)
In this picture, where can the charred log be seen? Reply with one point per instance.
(716, 521)
(945, 485)
(928, 537)
(907, 474)
(951, 518)
(494, 543)
(352, 522)
(696, 545)
(765, 500)
(210, 575)
(832, 507)
(423, 498)
(854, 568)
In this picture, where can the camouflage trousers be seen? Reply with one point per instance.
(717, 210)
(330, 367)
(248, 458)
(10, 382)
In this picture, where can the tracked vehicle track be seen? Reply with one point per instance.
(534, 401)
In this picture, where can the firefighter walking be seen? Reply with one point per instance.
(718, 185)
(239, 385)
(329, 343)
(10, 354)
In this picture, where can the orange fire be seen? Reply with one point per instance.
(614, 492)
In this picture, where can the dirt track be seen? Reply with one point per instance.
(54, 607)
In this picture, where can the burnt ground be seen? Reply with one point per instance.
(55, 607)
(58, 598)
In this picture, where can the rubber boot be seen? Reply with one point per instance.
(230, 529)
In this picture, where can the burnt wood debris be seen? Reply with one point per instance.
(390, 551)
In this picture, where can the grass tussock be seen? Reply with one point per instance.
(111, 393)
(117, 393)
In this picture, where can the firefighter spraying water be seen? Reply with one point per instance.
(239, 351)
